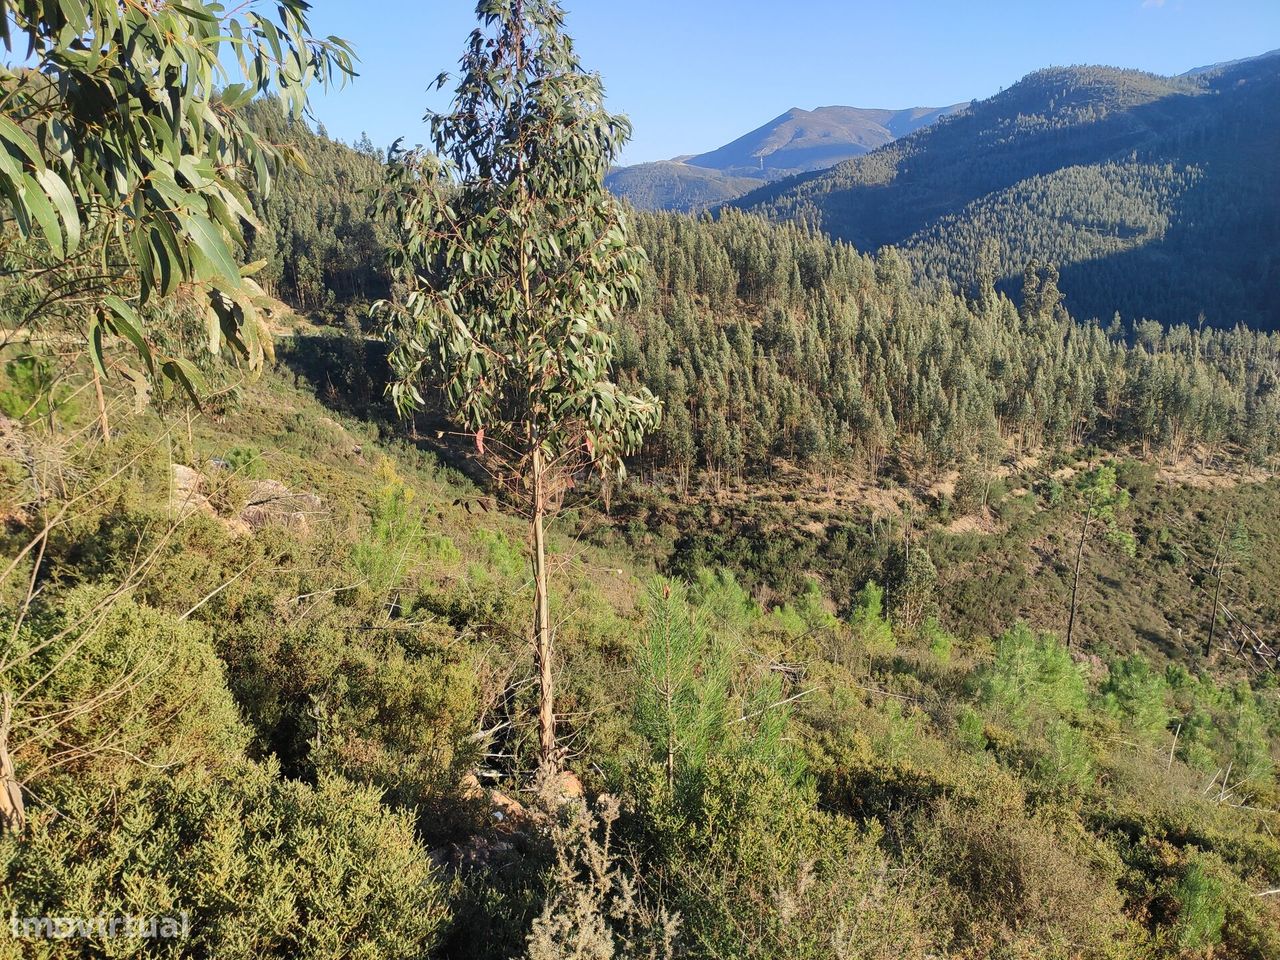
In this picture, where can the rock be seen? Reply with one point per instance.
(270, 501)
(567, 785)
(482, 853)
(267, 502)
(188, 494)
(470, 789)
(506, 811)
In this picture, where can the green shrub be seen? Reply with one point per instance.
(941, 643)
(754, 870)
(725, 601)
(971, 730)
(869, 622)
(245, 461)
(264, 867)
(501, 555)
(1019, 886)
(1201, 909)
(1137, 694)
(806, 613)
(1067, 761)
(697, 696)
(1032, 675)
(112, 682)
(393, 545)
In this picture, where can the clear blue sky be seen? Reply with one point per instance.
(693, 74)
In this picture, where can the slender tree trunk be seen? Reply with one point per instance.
(542, 622)
(103, 425)
(1075, 581)
(1219, 563)
(12, 814)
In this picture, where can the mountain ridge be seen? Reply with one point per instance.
(1156, 196)
(799, 139)
(795, 141)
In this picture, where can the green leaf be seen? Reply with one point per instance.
(126, 323)
(194, 12)
(37, 206)
(184, 373)
(95, 345)
(213, 329)
(57, 191)
(12, 134)
(209, 242)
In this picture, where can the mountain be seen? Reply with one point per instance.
(1215, 67)
(795, 142)
(1155, 196)
(802, 140)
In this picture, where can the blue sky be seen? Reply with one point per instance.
(693, 74)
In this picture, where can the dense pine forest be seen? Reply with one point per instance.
(771, 343)
(420, 553)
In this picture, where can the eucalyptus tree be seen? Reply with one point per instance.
(122, 174)
(124, 160)
(512, 259)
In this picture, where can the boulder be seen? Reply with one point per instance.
(270, 501)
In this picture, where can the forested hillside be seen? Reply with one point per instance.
(1155, 197)
(770, 342)
(313, 229)
(672, 185)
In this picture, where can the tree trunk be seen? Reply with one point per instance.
(1219, 563)
(103, 425)
(1075, 582)
(542, 623)
(12, 813)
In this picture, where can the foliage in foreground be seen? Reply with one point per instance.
(838, 784)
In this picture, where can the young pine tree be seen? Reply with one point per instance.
(1100, 500)
(513, 258)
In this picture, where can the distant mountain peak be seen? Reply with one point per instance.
(800, 140)
(795, 141)
(1227, 64)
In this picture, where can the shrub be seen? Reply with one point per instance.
(1201, 909)
(393, 545)
(1032, 675)
(724, 599)
(1067, 761)
(941, 643)
(756, 871)
(265, 867)
(970, 729)
(112, 682)
(593, 910)
(1017, 886)
(806, 613)
(244, 461)
(1137, 694)
(869, 621)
